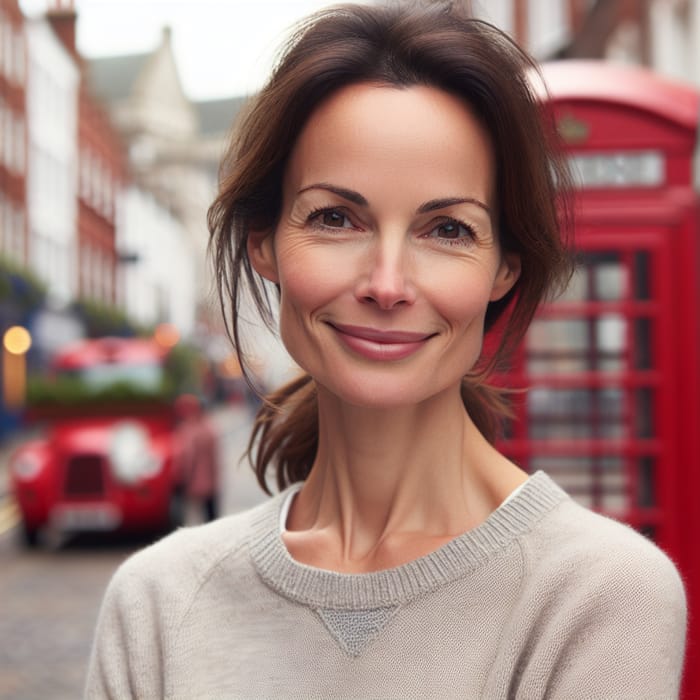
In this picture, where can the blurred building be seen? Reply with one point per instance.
(101, 173)
(53, 81)
(159, 281)
(13, 133)
(175, 144)
(663, 35)
(106, 172)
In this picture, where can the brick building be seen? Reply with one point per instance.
(13, 134)
(101, 175)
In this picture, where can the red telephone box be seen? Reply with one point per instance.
(612, 409)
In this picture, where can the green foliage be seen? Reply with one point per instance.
(102, 319)
(183, 368)
(47, 392)
(183, 373)
(20, 285)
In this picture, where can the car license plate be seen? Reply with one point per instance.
(88, 517)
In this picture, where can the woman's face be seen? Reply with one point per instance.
(386, 249)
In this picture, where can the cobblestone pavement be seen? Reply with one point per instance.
(49, 598)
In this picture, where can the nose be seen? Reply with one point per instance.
(386, 281)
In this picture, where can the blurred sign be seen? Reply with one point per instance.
(640, 169)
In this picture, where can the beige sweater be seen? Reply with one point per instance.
(543, 600)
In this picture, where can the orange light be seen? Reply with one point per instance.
(231, 368)
(17, 340)
(166, 335)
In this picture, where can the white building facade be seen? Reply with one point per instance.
(157, 276)
(52, 118)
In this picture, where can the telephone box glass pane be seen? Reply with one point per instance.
(644, 422)
(642, 279)
(642, 343)
(610, 280)
(596, 482)
(576, 413)
(610, 342)
(566, 346)
(646, 491)
(588, 357)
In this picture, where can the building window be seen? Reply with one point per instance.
(19, 159)
(95, 175)
(18, 236)
(85, 176)
(3, 23)
(11, 230)
(3, 140)
(109, 196)
(8, 49)
(82, 270)
(12, 146)
(3, 230)
(20, 67)
(7, 224)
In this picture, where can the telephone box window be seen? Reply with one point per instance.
(644, 423)
(642, 343)
(645, 485)
(596, 482)
(642, 275)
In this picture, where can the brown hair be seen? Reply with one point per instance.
(430, 43)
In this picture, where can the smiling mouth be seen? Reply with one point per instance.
(377, 344)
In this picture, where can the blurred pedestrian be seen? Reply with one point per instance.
(197, 458)
(395, 182)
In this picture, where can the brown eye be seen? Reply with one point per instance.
(452, 230)
(334, 219)
(448, 230)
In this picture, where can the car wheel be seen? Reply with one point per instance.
(29, 536)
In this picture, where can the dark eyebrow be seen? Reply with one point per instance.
(434, 204)
(350, 195)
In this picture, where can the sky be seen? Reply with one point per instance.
(222, 47)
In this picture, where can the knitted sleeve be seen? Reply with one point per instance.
(615, 625)
(127, 654)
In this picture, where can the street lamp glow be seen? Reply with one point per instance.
(166, 335)
(17, 340)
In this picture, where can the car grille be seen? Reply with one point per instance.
(85, 476)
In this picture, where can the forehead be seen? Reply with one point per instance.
(367, 131)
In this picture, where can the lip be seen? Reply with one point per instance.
(378, 344)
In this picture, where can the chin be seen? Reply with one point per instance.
(384, 393)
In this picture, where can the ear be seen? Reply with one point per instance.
(506, 277)
(261, 251)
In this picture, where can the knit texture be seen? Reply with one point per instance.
(545, 599)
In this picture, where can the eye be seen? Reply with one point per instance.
(450, 230)
(330, 218)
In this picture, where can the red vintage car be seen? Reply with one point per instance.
(108, 460)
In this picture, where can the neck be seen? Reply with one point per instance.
(421, 473)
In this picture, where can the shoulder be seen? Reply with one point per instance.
(603, 607)
(600, 559)
(175, 567)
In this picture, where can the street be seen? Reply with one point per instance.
(50, 597)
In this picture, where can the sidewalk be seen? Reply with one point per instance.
(7, 447)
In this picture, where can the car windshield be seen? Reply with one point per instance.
(144, 376)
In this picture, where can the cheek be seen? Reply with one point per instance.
(308, 279)
(462, 296)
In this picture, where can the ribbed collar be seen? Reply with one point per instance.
(320, 588)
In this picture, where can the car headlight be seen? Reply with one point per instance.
(130, 453)
(26, 466)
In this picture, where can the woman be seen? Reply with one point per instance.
(394, 181)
